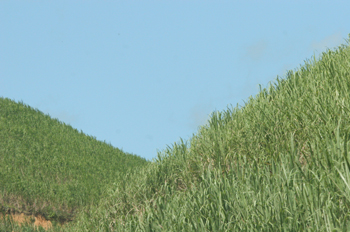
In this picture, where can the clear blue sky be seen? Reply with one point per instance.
(142, 74)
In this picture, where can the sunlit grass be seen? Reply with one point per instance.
(279, 163)
(49, 168)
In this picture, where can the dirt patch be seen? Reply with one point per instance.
(41, 221)
(35, 220)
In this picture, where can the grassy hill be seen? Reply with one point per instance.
(279, 163)
(49, 168)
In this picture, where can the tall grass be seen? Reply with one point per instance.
(279, 163)
(49, 168)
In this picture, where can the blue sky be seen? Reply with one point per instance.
(140, 75)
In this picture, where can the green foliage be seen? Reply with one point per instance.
(279, 163)
(47, 167)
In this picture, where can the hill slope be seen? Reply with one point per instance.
(279, 163)
(49, 168)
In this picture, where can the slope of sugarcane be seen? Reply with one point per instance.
(279, 163)
(51, 169)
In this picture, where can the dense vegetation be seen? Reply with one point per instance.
(279, 163)
(49, 168)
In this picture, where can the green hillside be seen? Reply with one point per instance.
(49, 168)
(279, 163)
